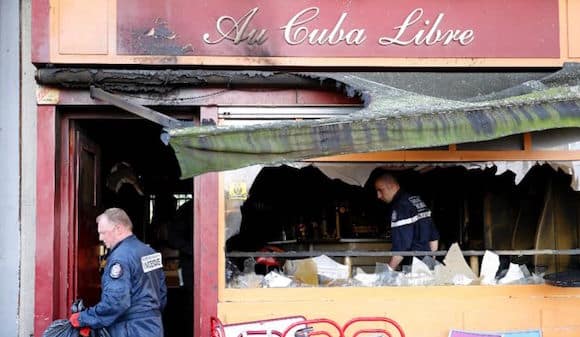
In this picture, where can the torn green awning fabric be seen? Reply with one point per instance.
(392, 119)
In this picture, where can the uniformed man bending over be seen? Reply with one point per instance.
(411, 226)
(133, 283)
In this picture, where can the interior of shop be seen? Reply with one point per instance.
(299, 208)
(141, 175)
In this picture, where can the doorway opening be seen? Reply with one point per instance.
(122, 162)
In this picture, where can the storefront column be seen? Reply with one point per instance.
(46, 285)
(205, 247)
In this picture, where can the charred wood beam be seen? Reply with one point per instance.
(163, 81)
(139, 110)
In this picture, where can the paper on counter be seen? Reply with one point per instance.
(329, 268)
(489, 267)
(276, 280)
(304, 271)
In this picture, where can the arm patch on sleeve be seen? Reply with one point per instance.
(116, 271)
(151, 262)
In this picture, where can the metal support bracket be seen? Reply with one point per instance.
(139, 110)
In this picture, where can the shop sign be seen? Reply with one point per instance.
(344, 29)
(237, 191)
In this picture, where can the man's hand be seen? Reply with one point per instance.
(395, 261)
(74, 321)
(434, 245)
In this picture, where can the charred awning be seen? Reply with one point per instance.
(403, 109)
(391, 119)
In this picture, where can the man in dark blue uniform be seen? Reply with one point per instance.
(412, 228)
(133, 283)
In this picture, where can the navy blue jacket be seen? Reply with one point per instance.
(411, 224)
(133, 292)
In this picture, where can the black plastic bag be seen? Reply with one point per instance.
(79, 306)
(100, 333)
(61, 328)
(568, 278)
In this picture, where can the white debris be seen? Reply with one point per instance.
(329, 268)
(514, 274)
(276, 280)
(365, 279)
(489, 267)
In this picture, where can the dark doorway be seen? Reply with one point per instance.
(123, 163)
(87, 161)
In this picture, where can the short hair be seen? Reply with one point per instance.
(387, 178)
(117, 215)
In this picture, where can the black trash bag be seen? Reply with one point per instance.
(100, 333)
(79, 306)
(61, 328)
(567, 278)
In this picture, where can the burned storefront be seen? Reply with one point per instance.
(245, 140)
(316, 222)
(484, 195)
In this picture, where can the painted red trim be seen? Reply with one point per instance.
(205, 251)
(45, 294)
(66, 209)
(40, 50)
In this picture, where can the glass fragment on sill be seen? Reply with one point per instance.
(513, 275)
(489, 268)
(365, 279)
(247, 280)
(387, 276)
(455, 270)
(325, 272)
(276, 280)
(420, 274)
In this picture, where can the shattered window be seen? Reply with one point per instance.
(322, 224)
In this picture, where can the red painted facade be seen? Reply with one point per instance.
(417, 28)
(40, 31)
(47, 259)
(206, 210)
